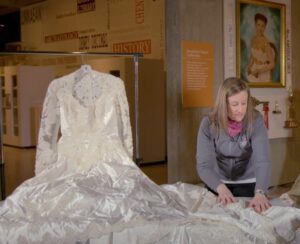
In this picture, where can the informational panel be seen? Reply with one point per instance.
(122, 26)
(197, 74)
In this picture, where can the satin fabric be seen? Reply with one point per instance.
(88, 189)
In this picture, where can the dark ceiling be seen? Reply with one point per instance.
(10, 21)
(9, 6)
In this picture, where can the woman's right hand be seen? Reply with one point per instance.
(225, 196)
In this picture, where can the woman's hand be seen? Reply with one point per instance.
(259, 203)
(225, 196)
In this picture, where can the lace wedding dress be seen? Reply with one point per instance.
(88, 189)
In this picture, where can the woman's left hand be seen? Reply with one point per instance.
(260, 203)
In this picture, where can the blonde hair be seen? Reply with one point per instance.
(219, 115)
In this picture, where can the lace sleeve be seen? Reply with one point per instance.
(46, 154)
(126, 127)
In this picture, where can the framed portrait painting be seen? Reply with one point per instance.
(261, 43)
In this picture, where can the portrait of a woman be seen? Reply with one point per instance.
(259, 41)
(262, 53)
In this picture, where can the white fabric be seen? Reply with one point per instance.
(252, 180)
(88, 188)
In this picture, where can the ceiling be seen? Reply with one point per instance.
(8, 6)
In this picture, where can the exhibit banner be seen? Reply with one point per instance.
(124, 26)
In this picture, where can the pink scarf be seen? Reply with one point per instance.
(234, 127)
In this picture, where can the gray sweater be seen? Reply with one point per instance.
(221, 157)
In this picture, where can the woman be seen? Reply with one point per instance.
(233, 149)
(262, 58)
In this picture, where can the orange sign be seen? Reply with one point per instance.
(197, 74)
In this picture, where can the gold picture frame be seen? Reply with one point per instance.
(261, 41)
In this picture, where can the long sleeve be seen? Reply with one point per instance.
(46, 154)
(206, 156)
(125, 126)
(261, 154)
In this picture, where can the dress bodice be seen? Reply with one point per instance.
(76, 118)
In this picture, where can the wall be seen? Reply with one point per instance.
(290, 161)
(204, 23)
(194, 20)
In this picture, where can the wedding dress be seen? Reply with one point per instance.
(88, 189)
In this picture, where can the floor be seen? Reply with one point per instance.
(19, 166)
